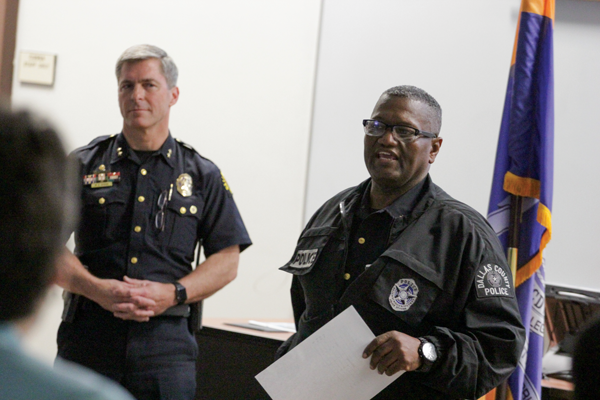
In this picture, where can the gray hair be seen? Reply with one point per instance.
(144, 52)
(417, 94)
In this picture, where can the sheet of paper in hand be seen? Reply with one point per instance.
(328, 365)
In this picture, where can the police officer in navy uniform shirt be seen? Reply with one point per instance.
(425, 271)
(147, 201)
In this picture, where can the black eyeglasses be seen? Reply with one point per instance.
(400, 132)
(159, 220)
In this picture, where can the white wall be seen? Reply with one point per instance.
(246, 81)
(460, 52)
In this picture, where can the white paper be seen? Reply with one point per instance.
(280, 326)
(328, 365)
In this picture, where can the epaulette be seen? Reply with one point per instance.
(96, 142)
(185, 145)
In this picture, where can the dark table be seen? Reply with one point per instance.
(230, 357)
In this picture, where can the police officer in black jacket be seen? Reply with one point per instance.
(425, 271)
(147, 201)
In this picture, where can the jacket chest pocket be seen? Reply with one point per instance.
(181, 224)
(406, 287)
(311, 248)
(104, 218)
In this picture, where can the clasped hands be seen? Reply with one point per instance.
(134, 299)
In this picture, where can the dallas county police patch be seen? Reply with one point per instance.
(403, 294)
(493, 281)
(304, 259)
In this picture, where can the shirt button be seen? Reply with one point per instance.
(182, 210)
(193, 209)
(143, 172)
(361, 240)
(346, 276)
(134, 260)
(101, 200)
(137, 229)
(141, 199)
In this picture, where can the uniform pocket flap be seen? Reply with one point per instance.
(101, 197)
(416, 265)
(310, 246)
(189, 207)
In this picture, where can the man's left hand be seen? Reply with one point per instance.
(393, 352)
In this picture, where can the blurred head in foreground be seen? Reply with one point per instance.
(38, 204)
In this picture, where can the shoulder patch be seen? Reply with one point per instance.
(493, 281)
(404, 294)
(225, 184)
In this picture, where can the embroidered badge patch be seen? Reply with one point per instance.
(493, 281)
(403, 294)
(304, 259)
(225, 184)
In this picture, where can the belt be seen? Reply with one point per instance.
(180, 310)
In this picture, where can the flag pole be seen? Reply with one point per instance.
(516, 205)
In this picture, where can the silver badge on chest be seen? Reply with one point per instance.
(184, 185)
(403, 294)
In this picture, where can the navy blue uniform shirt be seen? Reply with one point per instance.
(121, 232)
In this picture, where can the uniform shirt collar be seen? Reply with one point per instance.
(402, 206)
(122, 150)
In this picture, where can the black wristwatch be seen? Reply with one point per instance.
(180, 293)
(428, 355)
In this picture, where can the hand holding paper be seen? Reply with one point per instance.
(392, 352)
(316, 367)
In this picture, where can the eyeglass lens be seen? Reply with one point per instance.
(376, 128)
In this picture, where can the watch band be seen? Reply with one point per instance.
(180, 293)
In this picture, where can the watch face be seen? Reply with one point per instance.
(429, 351)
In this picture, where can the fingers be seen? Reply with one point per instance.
(135, 282)
(392, 352)
(381, 353)
(143, 302)
(378, 348)
(375, 343)
(134, 303)
(389, 364)
(129, 311)
(139, 317)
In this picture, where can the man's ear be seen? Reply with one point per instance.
(436, 143)
(174, 96)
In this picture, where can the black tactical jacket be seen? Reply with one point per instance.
(444, 277)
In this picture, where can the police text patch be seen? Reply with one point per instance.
(493, 281)
(304, 259)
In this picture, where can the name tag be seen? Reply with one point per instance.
(304, 259)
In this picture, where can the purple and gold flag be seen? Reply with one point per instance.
(524, 167)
